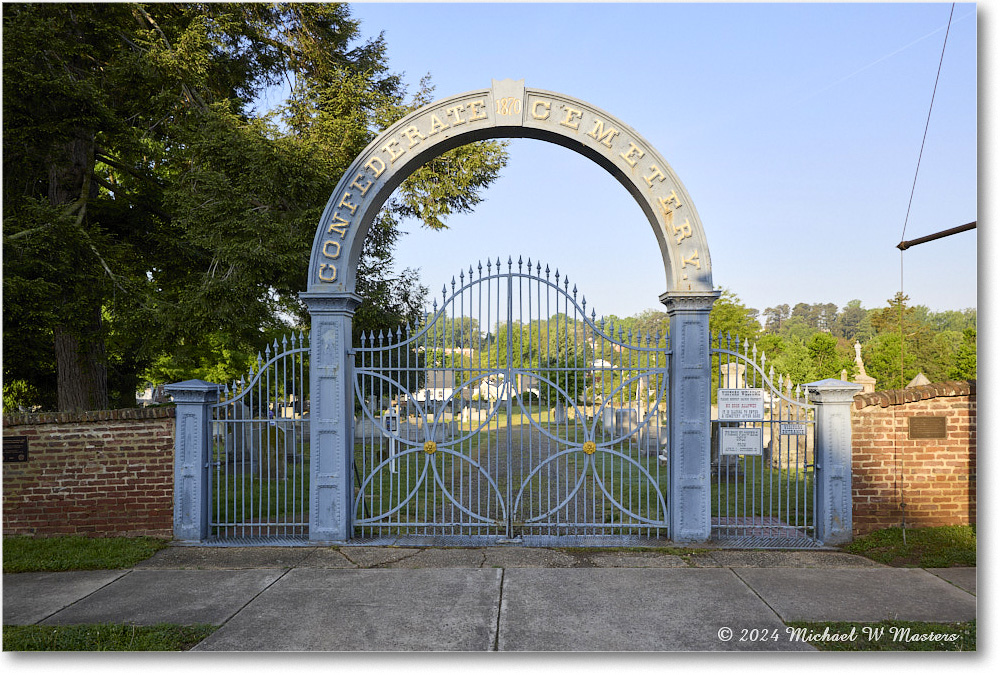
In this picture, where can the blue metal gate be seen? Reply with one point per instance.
(510, 415)
(763, 449)
(259, 474)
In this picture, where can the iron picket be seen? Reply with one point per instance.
(764, 500)
(259, 478)
(512, 420)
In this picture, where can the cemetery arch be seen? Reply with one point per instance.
(507, 110)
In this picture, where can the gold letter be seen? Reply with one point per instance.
(476, 115)
(347, 204)
(436, 125)
(664, 203)
(601, 135)
(656, 174)
(338, 225)
(357, 184)
(454, 111)
(632, 150)
(326, 252)
(393, 156)
(330, 278)
(544, 104)
(371, 165)
(412, 131)
(570, 115)
(692, 260)
(683, 231)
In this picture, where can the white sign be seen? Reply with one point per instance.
(792, 429)
(741, 441)
(390, 421)
(741, 405)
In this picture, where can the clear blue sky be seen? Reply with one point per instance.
(794, 127)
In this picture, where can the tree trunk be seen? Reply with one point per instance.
(81, 368)
(81, 362)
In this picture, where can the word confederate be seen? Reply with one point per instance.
(565, 118)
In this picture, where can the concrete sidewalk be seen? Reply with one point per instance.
(497, 598)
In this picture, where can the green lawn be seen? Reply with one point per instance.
(61, 554)
(104, 638)
(952, 546)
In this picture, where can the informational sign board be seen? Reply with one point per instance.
(792, 429)
(926, 426)
(15, 448)
(391, 422)
(741, 405)
(741, 441)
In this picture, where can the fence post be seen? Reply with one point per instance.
(833, 399)
(690, 496)
(331, 415)
(192, 455)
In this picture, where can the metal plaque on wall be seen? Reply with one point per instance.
(922, 427)
(15, 449)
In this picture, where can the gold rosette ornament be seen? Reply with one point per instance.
(430, 447)
(590, 447)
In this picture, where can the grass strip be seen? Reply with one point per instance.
(62, 554)
(887, 636)
(104, 638)
(950, 546)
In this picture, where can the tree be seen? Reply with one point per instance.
(150, 210)
(730, 315)
(965, 357)
(775, 317)
(852, 323)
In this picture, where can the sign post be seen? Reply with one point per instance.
(390, 424)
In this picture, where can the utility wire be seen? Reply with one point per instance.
(913, 188)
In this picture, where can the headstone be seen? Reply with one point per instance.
(559, 413)
(608, 418)
(733, 376)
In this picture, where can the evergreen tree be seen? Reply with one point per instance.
(151, 213)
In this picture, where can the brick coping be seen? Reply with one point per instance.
(26, 419)
(922, 392)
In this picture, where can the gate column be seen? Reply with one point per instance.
(833, 399)
(192, 457)
(331, 416)
(690, 414)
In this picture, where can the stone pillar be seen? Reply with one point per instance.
(192, 457)
(690, 410)
(331, 415)
(833, 399)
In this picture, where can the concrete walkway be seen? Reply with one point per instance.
(488, 599)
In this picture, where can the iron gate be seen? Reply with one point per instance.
(763, 444)
(259, 475)
(509, 414)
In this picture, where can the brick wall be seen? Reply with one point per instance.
(934, 478)
(104, 473)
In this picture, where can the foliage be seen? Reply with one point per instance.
(965, 357)
(730, 315)
(105, 637)
(139, 176)
(60, 554)
(948, 546)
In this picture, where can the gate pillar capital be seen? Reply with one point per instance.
(690, 414)
(331, 415)
(833, 399)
